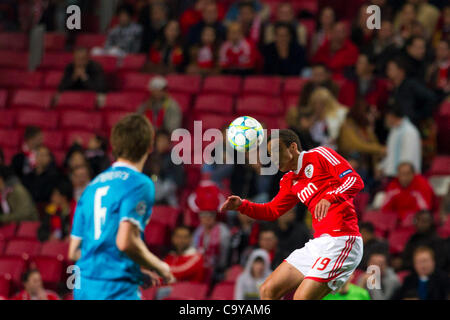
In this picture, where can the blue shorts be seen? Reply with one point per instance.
(91, 289)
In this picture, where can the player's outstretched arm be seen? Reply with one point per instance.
(130, 242)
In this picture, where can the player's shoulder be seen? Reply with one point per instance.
(324, 153)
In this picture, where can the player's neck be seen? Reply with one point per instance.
(294, 161)
(138, 165)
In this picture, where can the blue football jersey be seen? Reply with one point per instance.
(119, 193)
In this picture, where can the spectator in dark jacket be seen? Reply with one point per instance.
(209, 19)
(153, 18)
(16, 202)
(415, 57)
(24, 162)
(371, 243)
(83, 74)
(96, 154)
(427, 282)
(284, 56)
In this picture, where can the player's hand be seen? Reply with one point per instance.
(321, 209)
(151, 279)
(232, 203)
(165, 273)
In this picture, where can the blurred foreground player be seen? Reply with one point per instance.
(326, 183)
(110, 219)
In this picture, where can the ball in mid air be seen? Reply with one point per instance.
(245, 133)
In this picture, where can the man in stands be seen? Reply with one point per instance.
(34, 288)
(408, 193)
(25, 161)
(185, 262)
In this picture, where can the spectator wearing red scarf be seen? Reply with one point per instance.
(185, 262)
(338, 53)
(34, 288)
(408, 193)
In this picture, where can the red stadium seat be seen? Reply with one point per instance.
(54, 41)
(24, 248)
(222, 84)
(28, 229)
(13, 41)
(5, 286)
(383, 221)
(2, 246)
(13, 78)
(184, 83)
(165, 215)
(14, 60)
(9, 138)
(133, 81)
(293, 86)
(149, 293)
(53, 139)
(55, 60)
(52, 79)
(133, 62)
(183, 99)
(213, 120)
(233, 273)
(440, 166)
(110, 118)
(188, 291)
(51, 270)
(84, 120)
(127, 101)
(268, 86)
(74, 135)
(55, 249)
(40, 118)
(90, 40)
(12, 268)
(68, 296)
(7, 119)
(3, 98)
(223, 291)
(9, 153)
(398, 239)
(108, 63)
(8, 231)
(214, 103)
(259, 105)
(80, 100)
(155, 234)
(32, 99)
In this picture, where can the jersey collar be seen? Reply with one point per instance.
(123, 164)
(300, 162)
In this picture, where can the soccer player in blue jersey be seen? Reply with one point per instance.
(107, 234)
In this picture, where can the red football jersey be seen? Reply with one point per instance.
(322, 174)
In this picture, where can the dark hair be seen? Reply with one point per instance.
(395, 110)
(182, 227)
(65, 188)
(320, 65)
(26, 275)
(407, 163)
(359, 113)
(131, 137)
(420, 249)
(285, 25)
(400, 62)
(259, 259)
(288, 136)
(5, 172)
(126, 8)
(31, 132)
(367, 226)
(411, 40)
(248, 4)
(103, 142)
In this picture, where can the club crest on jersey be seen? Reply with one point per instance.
(309, 170)
(141, 208)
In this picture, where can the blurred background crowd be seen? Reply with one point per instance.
(380, 97)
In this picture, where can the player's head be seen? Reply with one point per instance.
(285, 149)
(132, 138)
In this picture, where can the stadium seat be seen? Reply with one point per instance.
(8, 231)
(55, 249)
(51, 270)
(15, 41)
(73, 135)
(111, 117)
(312, 7)
(80, 100)
(223, 291)
(19, 79)
(188, 291)
(55, 61)
(83, 120)
(3, 98)
(214, 103)
(126, 101)
(149, 293)
(398, 239)
(68, 296)
(5, 286)
(222, 84)
(52, 79)
(183, 99)
(293, 86)
(54, 41)
(13, 60)
(9, 153)
(132, 62)
(12, 268)
(165, 215)
(213, 120)
(440, 166)
(43, 119)
(268, 86)
(7, 119)
(32, 99)
(24, 248)
(134, 81)
(155, 234)
(383, 221)
(184, 83)
(53, 139)
(28, 229)
(9, 138)
(2, 246)
(259, 105)
(90, 40)
(108, 63)
(233, 273)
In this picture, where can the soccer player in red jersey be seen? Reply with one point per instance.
(326, 183)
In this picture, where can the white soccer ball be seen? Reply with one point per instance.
(245, 133)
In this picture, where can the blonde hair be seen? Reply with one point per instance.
(324, 96)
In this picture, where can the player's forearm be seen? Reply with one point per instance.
(138, 252)
(259, 211)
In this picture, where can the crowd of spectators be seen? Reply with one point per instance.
(369, 94)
